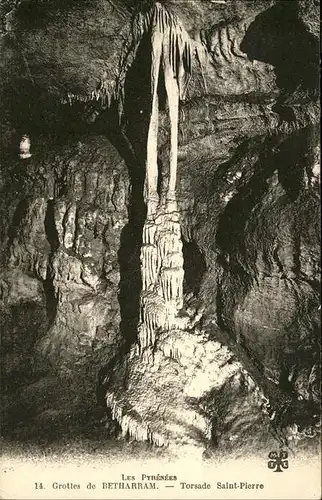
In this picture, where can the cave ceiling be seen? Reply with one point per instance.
(57, 52)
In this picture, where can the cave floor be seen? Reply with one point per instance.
(46, 420)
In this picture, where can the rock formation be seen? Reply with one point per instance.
(160, 255)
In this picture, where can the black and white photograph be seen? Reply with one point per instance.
(160, 249)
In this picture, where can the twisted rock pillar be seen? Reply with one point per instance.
(162, 274)
(161, 253)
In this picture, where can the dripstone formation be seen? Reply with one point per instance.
(160, 238)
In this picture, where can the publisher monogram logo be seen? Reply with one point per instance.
(278, 460)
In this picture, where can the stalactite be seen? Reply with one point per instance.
(171, 53)
(151, 182)
(172, 89)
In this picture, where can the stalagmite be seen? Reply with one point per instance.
(144, 337)
(161, 255)
(173, 260)
(171, 282)
(171, 221)
(149, 231)
(152, 316)
(150, 265)
(168, 243)
(171, 320)
(161, 252)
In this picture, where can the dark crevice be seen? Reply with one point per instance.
(130, 241)
(129, 138)
(233, 219)
(51, 298)
(50, 227)
(130, 283)
(130, 141)
(52, 237)
(230, 239)
(277, 36)
(19, 215)
(194, 267)
(277, 261)
(237, 267)
(291, 162)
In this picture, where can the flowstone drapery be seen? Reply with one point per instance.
(162, 274)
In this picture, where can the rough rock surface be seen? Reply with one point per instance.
(248, 196)
(191, 395)
(61, 279)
